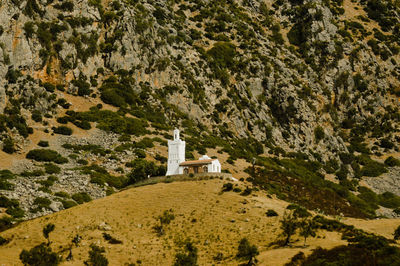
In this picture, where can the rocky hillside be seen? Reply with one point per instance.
(306, 91)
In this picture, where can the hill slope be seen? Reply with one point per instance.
(215, 222)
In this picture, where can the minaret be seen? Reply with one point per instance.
(176, 154)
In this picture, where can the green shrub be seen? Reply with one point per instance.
(37, 116)
(271, 213)
(246, 251)
(42, 202)
(223, 54)
(373, 169)
(297, 35)
(141, 169)
(82, 162)
(362, 249)
(63, 130)
(4, 241)
(49, 87)
(52, 168)
(187, 256)
(12, 206)
(9, 146)
(145, 143)
(31, 8)
(6, 202)
(346, 158)
(298, 211)
(94, 149)
(45, 155)
(15, 212)
(13, 75)
(32, 173)
(140, 153)
(4, 176)
(43, 143)
(100, 176)
(81, 197)
(40, 255)
(386, 143)
(96, 257)
(68, 204)
(83, 87)
(237, 190)
(65, 6)
(246, 192)
(389, 200)
(5, 223)
(62, 194)
(227, 187)
(391, 161)
(319, 133)
(29, 29)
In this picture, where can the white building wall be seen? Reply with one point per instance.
(214, 167)
(176, 154)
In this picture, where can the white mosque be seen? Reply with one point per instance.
(177, 164)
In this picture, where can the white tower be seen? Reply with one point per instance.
(176, 154)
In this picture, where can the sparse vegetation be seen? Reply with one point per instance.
(41, 254)
(164, 220)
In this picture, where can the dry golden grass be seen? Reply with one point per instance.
(131, 216)
(202, 213)
(383, 227)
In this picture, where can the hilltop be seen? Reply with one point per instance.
(214, 221)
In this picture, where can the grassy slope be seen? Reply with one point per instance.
(131, 217)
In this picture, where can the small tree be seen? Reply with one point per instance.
(289, 226)
(298, 211)
(307, 228)
(189, 255)
(246, 251)
(46, 232)
(96, 257)
(397, 233)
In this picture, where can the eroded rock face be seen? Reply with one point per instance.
(293, 67)
(143, 47)
(387, 182)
